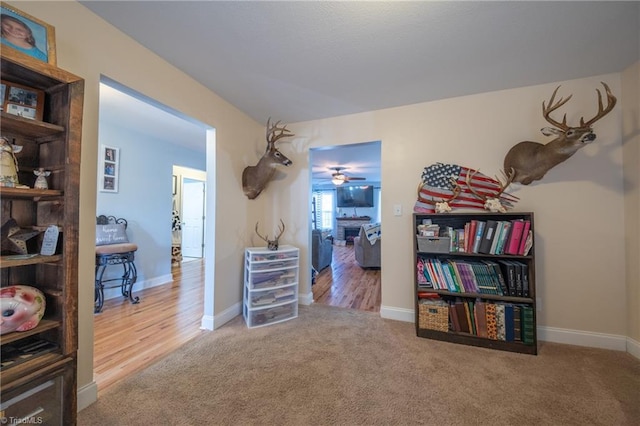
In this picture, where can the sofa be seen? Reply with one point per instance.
(367, 254)
(321, 250)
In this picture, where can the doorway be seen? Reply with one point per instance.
(344, 282)
(193, 218)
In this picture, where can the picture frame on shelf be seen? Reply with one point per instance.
(109, 169)
(23, 101)
(27, 35)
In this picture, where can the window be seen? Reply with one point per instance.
(324, 201)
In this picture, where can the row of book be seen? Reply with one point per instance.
(513, 237)
(509, 322)
(502, 277)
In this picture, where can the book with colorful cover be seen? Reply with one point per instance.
(523, 239)
(504, 237)
(500, 322)
(513, 244)
(492, 325)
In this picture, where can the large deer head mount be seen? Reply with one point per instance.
(530, 161)
(255, 178)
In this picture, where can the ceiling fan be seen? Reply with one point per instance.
(338, 178)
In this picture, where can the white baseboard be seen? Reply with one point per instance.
(305, 299)
(633, 347)
(112, 293)
(398, 314)
(217, 321)
(582, 338)
(87, 395)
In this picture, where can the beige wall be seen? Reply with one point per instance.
(87, 46)
(578, 206)
(631, 150)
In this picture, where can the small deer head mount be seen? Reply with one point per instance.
(255, 178)
(491, 202)
(271, 244)
(530, 161)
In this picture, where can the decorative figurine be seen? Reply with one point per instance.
(22, 308)
(41, 181)
(14, 239)
(8, 163)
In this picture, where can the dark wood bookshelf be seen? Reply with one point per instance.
(458, 221)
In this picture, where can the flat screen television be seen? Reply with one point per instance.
(354, 196)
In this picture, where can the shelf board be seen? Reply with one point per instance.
(29, 193)
(29, 128)
(44, 325)
(528, 300)
(22, 373)
(8, 262)
(470, 339)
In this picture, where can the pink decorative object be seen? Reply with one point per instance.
(22, 308)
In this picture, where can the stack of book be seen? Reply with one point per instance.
(492, 237)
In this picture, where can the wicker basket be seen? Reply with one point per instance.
(434, 315)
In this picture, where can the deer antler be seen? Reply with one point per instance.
(443, 205)
(492, 203)
(281, 230)
(272, 137)
(546, 110)
(611, 102)
(265, 239)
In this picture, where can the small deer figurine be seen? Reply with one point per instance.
(530, 161)
(255, 178)
(271, 244)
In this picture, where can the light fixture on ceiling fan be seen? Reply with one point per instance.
(338, 178)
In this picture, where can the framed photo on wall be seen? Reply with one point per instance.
(27, 34)
(22, 100)
(109, 170)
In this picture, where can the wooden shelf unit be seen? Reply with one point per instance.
(53, 144)
(457, 221)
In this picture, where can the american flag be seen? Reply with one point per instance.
(437, 185)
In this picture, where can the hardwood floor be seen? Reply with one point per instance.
(127, 338)
(344, 283)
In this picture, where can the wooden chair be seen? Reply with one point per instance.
(117, 252)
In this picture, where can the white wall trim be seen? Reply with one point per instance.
(87, 395)
(398, 314)
(582, 338)
(305, 299)
(633, 347)
(112, 293)
(217, 321)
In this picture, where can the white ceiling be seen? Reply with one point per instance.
(306, 60)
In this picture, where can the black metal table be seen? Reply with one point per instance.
(129, 276)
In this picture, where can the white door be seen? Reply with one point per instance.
(193, 218)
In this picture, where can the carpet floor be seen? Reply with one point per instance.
(334, 366)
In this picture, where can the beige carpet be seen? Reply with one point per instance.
(333, 366)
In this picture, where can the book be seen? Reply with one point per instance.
(517, 330)
(496, 272)
(513, 244)
(528, 243)
(492, 326)
(471, 237)
(508, 323)
(481, 318)
(509, 275)
(478, 236)
(528, 332)
(525, 279)
(487, 236)
(518, 269)
(496, 237)
(462, 316)
(500, 324)
(523, 239)
(504, 236)
(455, 324)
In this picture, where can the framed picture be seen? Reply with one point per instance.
(22, 100)
(28, 35)
(109, 161)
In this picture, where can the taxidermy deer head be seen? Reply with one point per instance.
(271, 244)
(255, 178)
(532, 160)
